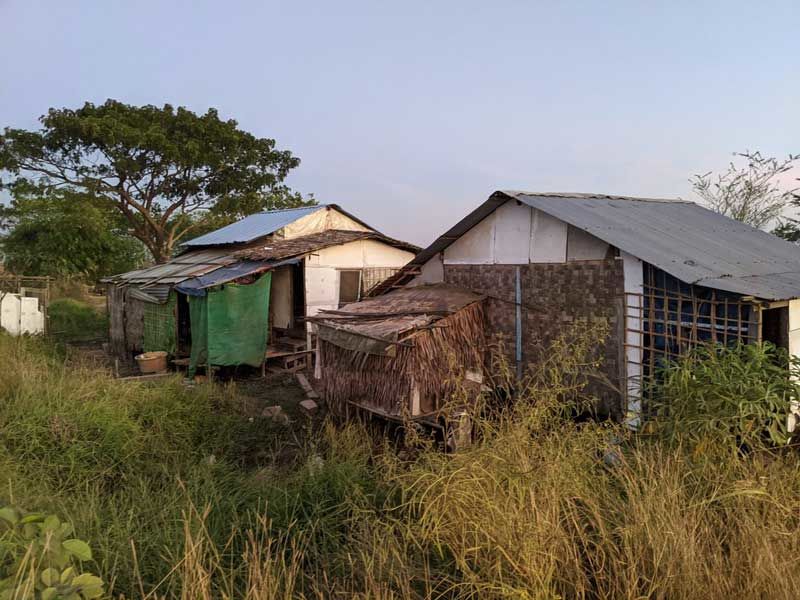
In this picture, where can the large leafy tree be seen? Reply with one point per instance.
(168, 172)
(66, 234)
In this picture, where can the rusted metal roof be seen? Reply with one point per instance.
(690, 242)
(180, 268)
(280, 249)
(159, 279)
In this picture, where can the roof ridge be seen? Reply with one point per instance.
(591, 195)
(278, 210)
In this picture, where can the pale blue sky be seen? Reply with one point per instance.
(412, 113)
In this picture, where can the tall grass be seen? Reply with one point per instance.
(539, 507)
(74, 320)
(120, 460)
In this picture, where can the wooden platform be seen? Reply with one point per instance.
(290, 353)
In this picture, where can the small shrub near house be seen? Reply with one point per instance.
(735, 398)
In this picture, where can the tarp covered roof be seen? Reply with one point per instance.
(196, 286)
(180, 268)
(690, 242)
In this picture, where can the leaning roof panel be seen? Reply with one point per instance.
(253, 226)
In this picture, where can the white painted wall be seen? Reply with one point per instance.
(548, 238)
(475, 247)
(320, 220)
(20, 315)
(518, 234)
(431, 272)
(584, 246)
(633, 272)
(322, 269)
(512, 234)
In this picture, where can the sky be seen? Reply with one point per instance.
(410, 114)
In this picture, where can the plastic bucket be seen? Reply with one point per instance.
(152, 362)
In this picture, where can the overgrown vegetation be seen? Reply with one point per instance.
(734, 398)
(73, 320)
(539, 507)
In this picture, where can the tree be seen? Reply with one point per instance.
(166, 171)
(66, 234)
(752, 194)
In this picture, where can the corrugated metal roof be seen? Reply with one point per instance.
(179, 268)
(690, 242)
(253, 227)
(207, 261)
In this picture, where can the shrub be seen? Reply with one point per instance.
(732, 397)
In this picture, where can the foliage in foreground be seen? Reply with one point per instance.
(539, 507)
(728, 398)
(41, 560)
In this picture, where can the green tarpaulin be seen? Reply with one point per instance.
(230, 325)
(159, 326)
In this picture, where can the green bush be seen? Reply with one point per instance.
(732, 397)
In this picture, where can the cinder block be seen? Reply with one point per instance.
(309, 407)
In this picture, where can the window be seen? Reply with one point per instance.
(349, 286)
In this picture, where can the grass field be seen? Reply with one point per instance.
(182, 494)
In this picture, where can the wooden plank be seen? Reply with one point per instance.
(146, 377)
(276, 354)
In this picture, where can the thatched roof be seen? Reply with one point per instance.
(385, 320)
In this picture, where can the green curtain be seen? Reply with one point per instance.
(159, 325)
(232, 323)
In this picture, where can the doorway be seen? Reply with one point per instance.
(775, 326)
(183, 345)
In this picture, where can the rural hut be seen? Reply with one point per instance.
(240, 295)
(409, 354)
(665, 275)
